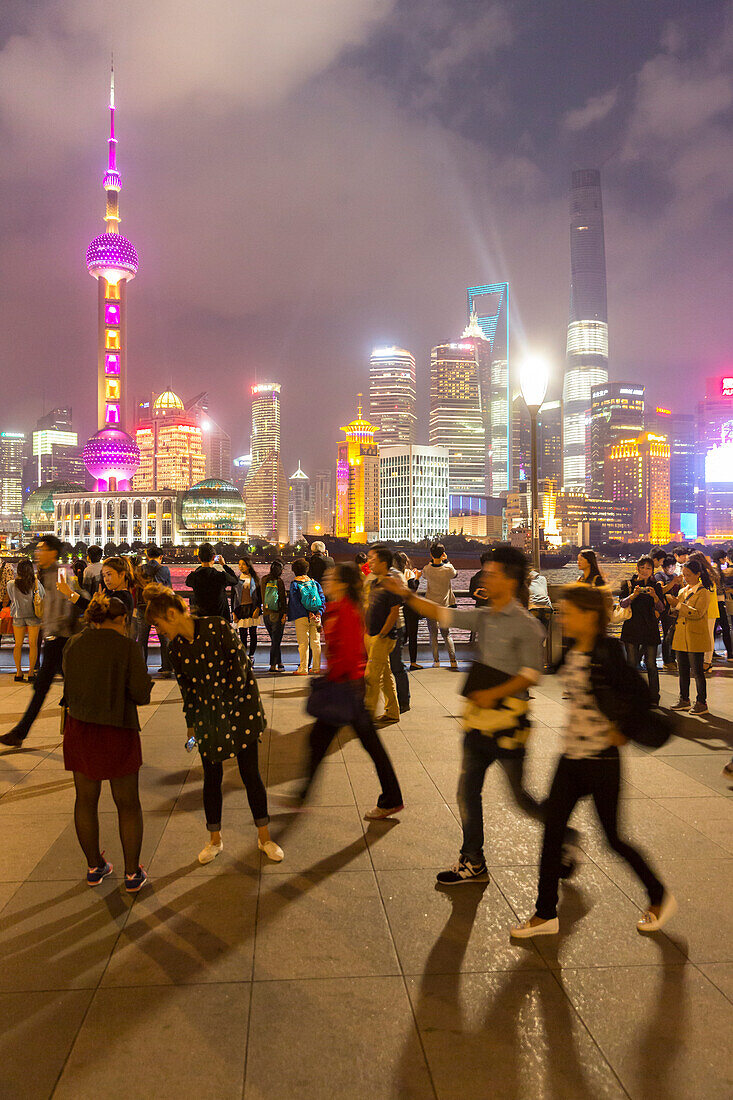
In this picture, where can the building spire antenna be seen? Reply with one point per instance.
(112, 82)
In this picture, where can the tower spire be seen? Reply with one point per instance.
(112, 182)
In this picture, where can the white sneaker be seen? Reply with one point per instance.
(526, 929)
(668, 908)
(272, 850)
(210, 852)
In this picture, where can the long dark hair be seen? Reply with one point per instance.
(698, 564)
(401, 561)
(276, 571)
(25, 576)
(595, 576)
(587, 598)
(250, 567)
(348, 573)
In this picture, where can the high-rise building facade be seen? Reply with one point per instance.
(715, 458)
(299, 505)
(413, 492)
(682, 434)
(56, 452)
(549, 442)
(488, 310)
(616, 413)
(170, 444)
(393, 395)
(637, 472)
(266, 489)
(217, 443)
(324, 511)
(111, 456)
(587, 343)
(12, 459)
(456, 418)
(357, 482)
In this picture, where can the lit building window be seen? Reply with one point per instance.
(112, 340)
(111, 364)
(113, 389)
(113, 291)
(111, 313)
(113, 414)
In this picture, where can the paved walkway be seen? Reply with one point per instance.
(342, 972)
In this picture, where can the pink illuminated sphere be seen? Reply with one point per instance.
(112, 257)
(111, 454)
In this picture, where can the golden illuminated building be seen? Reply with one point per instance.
(637, 471)
(357, 482)
(171, 448)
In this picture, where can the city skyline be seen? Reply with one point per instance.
(185, 318)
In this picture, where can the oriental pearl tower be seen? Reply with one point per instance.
(111, 456)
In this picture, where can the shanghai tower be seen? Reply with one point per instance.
(586, 362)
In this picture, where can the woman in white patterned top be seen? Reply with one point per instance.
(594, 672)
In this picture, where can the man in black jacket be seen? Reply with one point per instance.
(319, 562)
(209, 584)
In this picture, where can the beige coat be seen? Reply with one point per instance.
(692, 633)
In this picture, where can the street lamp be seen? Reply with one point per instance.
(533, 378)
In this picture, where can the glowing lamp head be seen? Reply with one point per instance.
(112, 257)
(534, 375)
(111, 456)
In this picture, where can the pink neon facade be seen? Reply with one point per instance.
(111, 456)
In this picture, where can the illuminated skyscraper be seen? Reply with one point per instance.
(266, 490)
(549, 442)
(587, 344)
(715, 458)
(413, 492)
(111, 456)
(488, 311)
(456, 416)
(637, 473)
(392, 395)
(170, 445)
(56, 452)
(217, 443)
(299, 505)
(357, 482)
(12, 458)
(616, 412)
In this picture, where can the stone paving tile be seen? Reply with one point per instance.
(669, 1025)
(721, 975)
(315, 925)
(335, 1037)
(507, 1035)
(43, 1026)
(25, 840)
(322, 839)
(64, 860)
(201, 1035)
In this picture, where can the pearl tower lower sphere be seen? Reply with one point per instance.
(111, 454)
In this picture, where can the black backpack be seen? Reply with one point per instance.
(623, 695)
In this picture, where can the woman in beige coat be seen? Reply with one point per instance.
(692, 635)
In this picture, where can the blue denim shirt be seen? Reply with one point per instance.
(509, 639)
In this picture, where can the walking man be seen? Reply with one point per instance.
(496, 715)
(61, 606)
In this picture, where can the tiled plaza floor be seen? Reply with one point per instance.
(343, 972)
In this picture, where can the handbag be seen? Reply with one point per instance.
(620, 614)
(6, 621)
(334, 701)
(37, 602)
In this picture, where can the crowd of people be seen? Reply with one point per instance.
(96, 618)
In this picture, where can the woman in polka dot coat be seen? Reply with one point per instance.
(222, 706)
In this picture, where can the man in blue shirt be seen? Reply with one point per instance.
(496, 714)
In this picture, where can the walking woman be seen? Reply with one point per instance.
(105, 680)
(601, 701)
(404, 566)
(247, 604)
(275, 612)
(24, 594)
(344, 705)
(692, 635)
(222, 707)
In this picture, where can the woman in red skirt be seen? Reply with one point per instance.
(105, 680)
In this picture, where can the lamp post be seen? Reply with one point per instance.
(533, 378)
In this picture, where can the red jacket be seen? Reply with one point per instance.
(344, 630)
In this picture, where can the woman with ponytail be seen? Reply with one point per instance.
(105, 680)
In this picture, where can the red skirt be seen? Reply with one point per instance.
(101, 752)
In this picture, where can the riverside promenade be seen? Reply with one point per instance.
(343, 972)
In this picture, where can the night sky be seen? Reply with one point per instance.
(306, 179)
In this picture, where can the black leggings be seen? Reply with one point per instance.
(600, 777)
(252, 631)
(249, 769)
(411, 623)
(129, 814)
(323, 733)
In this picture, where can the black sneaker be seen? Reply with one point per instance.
(681, 704)
(464, 872)
(699, 708)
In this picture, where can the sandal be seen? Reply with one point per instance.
(650, 922)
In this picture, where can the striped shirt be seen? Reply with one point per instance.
(586, 731)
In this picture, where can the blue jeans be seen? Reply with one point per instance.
(479, 752)
(143, 637)
(275, 629)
